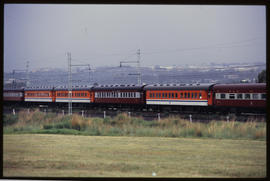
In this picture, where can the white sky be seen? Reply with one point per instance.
(107, 34)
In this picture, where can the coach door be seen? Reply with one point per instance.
(53, 96)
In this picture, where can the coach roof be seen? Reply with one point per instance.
(77, 87)
(13, 89)
(240, 87)
(178, 87)
(39, 88)
(118, 87)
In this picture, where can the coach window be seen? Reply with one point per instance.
(172, 95)
(222, 96)
(162, 95)
(165, 95)
(191, 95)
(195, 95)
(188, 95)
(247, 96)
(181, 94)
(232, 96)
(185, 95)
(239, 96)
(255, 96)
(263, 96)
(200, 95)
(176, 95)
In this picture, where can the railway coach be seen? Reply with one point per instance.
(39, 94)
(79, 94)
(179, 94)
(13, 95)
(236, 96)
(119, 94)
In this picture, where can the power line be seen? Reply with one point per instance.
(219, 45)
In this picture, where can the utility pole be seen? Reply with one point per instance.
(139, 78)
(27, 74)
(70, 81)
(13, 75)
(69, 84)
(89, 68)
(139, 67)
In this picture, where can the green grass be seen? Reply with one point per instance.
(123, 125)
(43, 155)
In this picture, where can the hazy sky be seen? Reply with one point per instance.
(106, 34)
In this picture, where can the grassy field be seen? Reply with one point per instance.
(42, 155)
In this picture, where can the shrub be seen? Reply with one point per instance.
(47, 126)
(107, 120)
(121, 119)
(198, 132)
(259, 134)
(77, 122)
(114, 131)
(10, 119)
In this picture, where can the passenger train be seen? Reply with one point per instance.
(240, 97)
